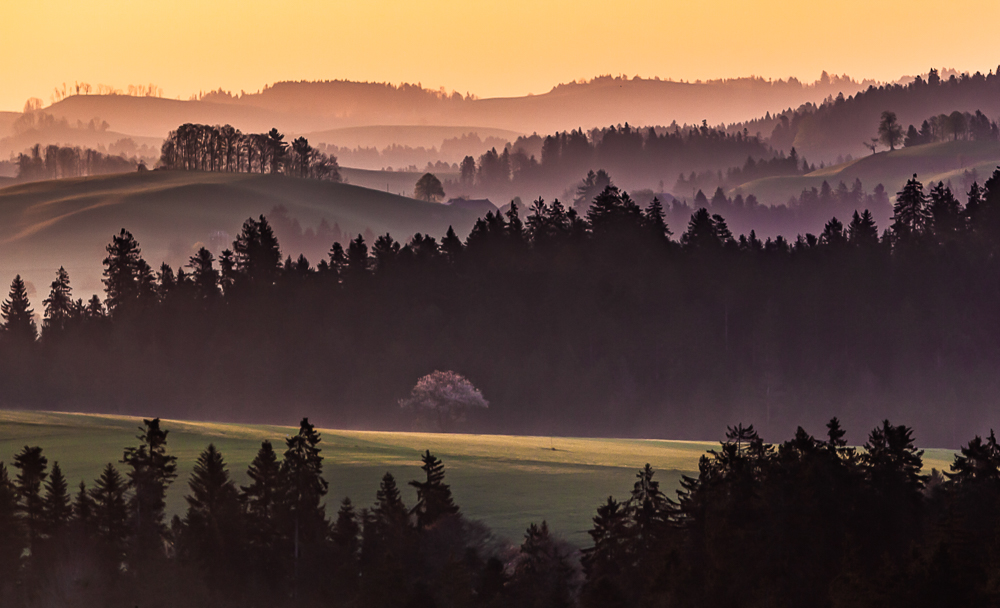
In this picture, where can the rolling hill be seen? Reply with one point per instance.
(941, 161)
(68, 222)
(506, 481)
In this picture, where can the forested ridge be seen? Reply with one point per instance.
(601, 324)
(811, 521)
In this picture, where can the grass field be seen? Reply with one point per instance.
(506, 481)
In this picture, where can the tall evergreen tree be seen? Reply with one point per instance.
(59, 308)
(204, 274)
(434, 499)
(18, 319)
(263, 498)
(32, 469)
(110, 507)
(910, 215)
(151, 471)
(302, 470)
(211, 529)
(127, 277)
(56, 503)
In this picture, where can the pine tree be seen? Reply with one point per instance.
(542, 575)
(910, 216)
(56, 504)
(862, 231)
(655, 220)
(946, 213)
(204, 274)
(83, 507)
(451, 245)
(18, 318)
(110, 507)
(264, 498)
(127, 277)
(256, 253)
(59, 308)
(151, 471)
(32, 467)
(389, 513)
(211, 525)
(434, 499)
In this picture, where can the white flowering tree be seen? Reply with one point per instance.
(442, 399)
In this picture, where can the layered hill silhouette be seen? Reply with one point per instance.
(68, 222)
(305, 107)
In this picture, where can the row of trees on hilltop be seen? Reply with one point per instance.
(194, 147)
(577, 324)
(808, 521)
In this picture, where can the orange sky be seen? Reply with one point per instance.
(489, 48)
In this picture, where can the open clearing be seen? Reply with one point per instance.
(506, 481)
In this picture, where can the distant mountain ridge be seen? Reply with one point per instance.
(301, 107)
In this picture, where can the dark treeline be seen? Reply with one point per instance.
(646, 156)
(954, 126)
(840, 125)
(813, 207)
(213, 148)
(569, 324)
(807, 522)
(53, 162)
(269, 543)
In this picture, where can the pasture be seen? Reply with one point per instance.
(506, 481)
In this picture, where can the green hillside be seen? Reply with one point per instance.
(507, 481)
(69, 222)
(935, 162)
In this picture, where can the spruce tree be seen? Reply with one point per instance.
(59, 307)
(151, 471)
(32, 470)
(56, 503)
(264, 498)
(434, 499)
(862, 231)
(212, 523)
(204, 274)
(18, 319)
(910, 216)
(83, 507)
(127, 277)
(110, 507)
(451, 245)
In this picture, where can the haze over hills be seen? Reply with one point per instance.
(69, 222)
(302, 107)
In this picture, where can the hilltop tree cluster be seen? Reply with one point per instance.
(808, 521)
(194, 147)
(603, 323)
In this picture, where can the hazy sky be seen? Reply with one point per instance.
(491, 48)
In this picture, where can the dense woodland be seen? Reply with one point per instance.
(569, 324)
(807, 522)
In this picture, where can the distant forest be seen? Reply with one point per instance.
(577, 325)
(808, 522)
(54, 162)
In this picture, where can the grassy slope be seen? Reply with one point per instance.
(931, 162)
(397, 182)
(69, 222)
(506, 481)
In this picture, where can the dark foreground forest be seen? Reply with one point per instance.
(595, 325)
(809, 522)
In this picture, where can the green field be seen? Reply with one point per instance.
(506, 481)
